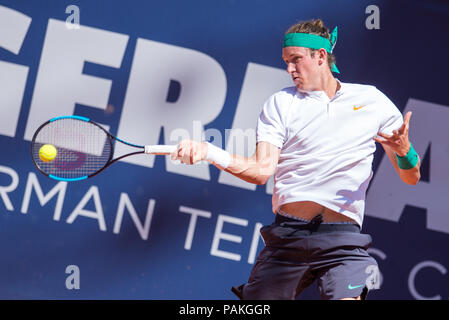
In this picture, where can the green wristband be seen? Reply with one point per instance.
(409, 161)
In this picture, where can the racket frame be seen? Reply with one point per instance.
(109, 162)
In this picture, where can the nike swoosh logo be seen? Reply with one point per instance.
(354, 287)
(357, 108)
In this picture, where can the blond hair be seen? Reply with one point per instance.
(314, 26)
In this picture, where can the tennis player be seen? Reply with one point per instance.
(318, 139)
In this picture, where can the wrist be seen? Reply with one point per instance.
(409, 160)
(404, 153)
(217, 156)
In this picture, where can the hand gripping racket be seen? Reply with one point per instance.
(83, 148)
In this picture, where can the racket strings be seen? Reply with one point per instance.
(82, 147)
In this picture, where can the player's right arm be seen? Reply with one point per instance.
(256, 169)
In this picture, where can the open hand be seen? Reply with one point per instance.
(398, 141)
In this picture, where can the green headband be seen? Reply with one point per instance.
(312, 41)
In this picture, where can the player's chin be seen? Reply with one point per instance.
(304, 87)
(300, 85)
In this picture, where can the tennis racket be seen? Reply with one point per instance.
(84, 148)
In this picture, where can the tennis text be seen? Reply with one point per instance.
(192, 217)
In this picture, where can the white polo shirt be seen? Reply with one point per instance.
(326, 144)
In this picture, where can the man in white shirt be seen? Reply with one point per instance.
(318, 139)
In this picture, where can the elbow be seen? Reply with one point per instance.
(413, 181)
(264, 173)
(261, 180)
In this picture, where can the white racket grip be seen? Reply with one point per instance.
(161, 149)
(218, 156)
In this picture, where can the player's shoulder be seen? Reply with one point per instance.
(359, 88)
(363, 89)
(369, 93)
(285, 93)
(282, 97)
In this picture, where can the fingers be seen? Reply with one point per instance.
(407, 117)
(406, 124)
(403, 130)
(184, 151)
(188, 152)
(185, 157)
(395, 136)
(389, 140)
(385, 142)
(384, 135)
(398, 141)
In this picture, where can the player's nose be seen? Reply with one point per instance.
(291, 68)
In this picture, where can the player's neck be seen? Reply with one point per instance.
(326, 83)
(329, 85)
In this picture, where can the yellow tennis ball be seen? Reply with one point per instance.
(47, 152)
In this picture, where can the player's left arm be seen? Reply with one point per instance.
(398, 143)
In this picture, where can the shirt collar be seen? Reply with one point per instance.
(321, 95)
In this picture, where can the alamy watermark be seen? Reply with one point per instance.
(373, 279)
(237, 140)
(73, 20)
(72, 282)
(373, 20)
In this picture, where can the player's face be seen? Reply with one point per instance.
(301, 66)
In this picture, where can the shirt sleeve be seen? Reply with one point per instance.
(391, 116)
(270, 127)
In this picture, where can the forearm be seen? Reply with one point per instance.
(408, 164)
(256, 169)
(250, 170)
(410, 176)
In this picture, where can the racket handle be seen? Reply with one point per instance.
(161, 149)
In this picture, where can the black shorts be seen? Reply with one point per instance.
(298, 252)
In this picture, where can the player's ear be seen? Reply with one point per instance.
(322, 55)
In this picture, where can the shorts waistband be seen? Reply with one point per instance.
(316, 224)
